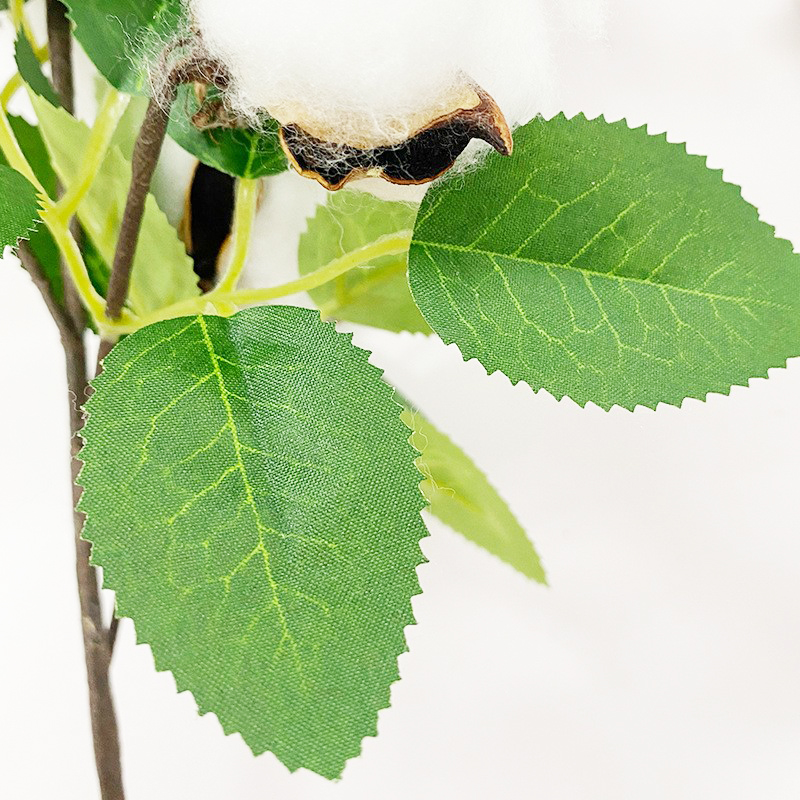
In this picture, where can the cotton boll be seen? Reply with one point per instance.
(366, 71)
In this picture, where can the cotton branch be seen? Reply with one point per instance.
(95, 639)
(71, 323)
(59, 42)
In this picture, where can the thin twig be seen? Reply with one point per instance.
(59, 42)
(112, 633)
(145, 157)
(57, 311)
(95, 638)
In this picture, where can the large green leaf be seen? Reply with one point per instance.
(376, 294)
(241, 152)
(162, 272)
(252, 499)
(608, 265)
(123, 37)
(462, 497)
(19, 207)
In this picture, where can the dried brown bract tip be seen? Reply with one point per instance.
(424, 155)
(212, 111)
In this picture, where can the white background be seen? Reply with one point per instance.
(663, 661)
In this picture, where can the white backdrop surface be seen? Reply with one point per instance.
(662, 662)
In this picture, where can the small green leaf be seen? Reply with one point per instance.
(607, 265)
(460, 495)
(19, 207)
(123, 37)
(241, 152)
(162, 272)
(251, 496)
(376, 294)
(33, 148)
(41, 242)
(129, 125)
(30, 70)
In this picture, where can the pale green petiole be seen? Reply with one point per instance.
(227, 302)
(108, 117)
(390, 245)
(18, 18)
(91, 299)
(244, 214)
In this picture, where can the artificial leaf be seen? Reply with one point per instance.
(30, 70)
(40, 239)
(130, 123)
(19, 207)
(460, 495)
(607, 265)
(242, 152)
(251, 496)
(376, 294)
(33, 148)
(122, 37)
(162, 272)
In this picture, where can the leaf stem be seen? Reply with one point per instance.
(108, 117)
(18, 18)
(392, 244)
(13, 85)
(14, 155)
(73, 260)
(61, 233)
(244, 214)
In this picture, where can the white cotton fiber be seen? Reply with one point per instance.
(370, 69)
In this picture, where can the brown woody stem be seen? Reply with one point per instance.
(95, 639)
(71, 322)
(145, 157)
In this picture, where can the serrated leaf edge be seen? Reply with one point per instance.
(119, 610)
(703, 159)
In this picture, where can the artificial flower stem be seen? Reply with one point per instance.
(244, 214)
(393, 244)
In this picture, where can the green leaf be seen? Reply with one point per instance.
(19, 207)
(30, 141)
(130, 123)
(460, 495)
(123, 37)
(162, 272)
(376, 294)
(41, 242)
(608, 265)
(241, 152)
(252, 499)
(30, 70)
